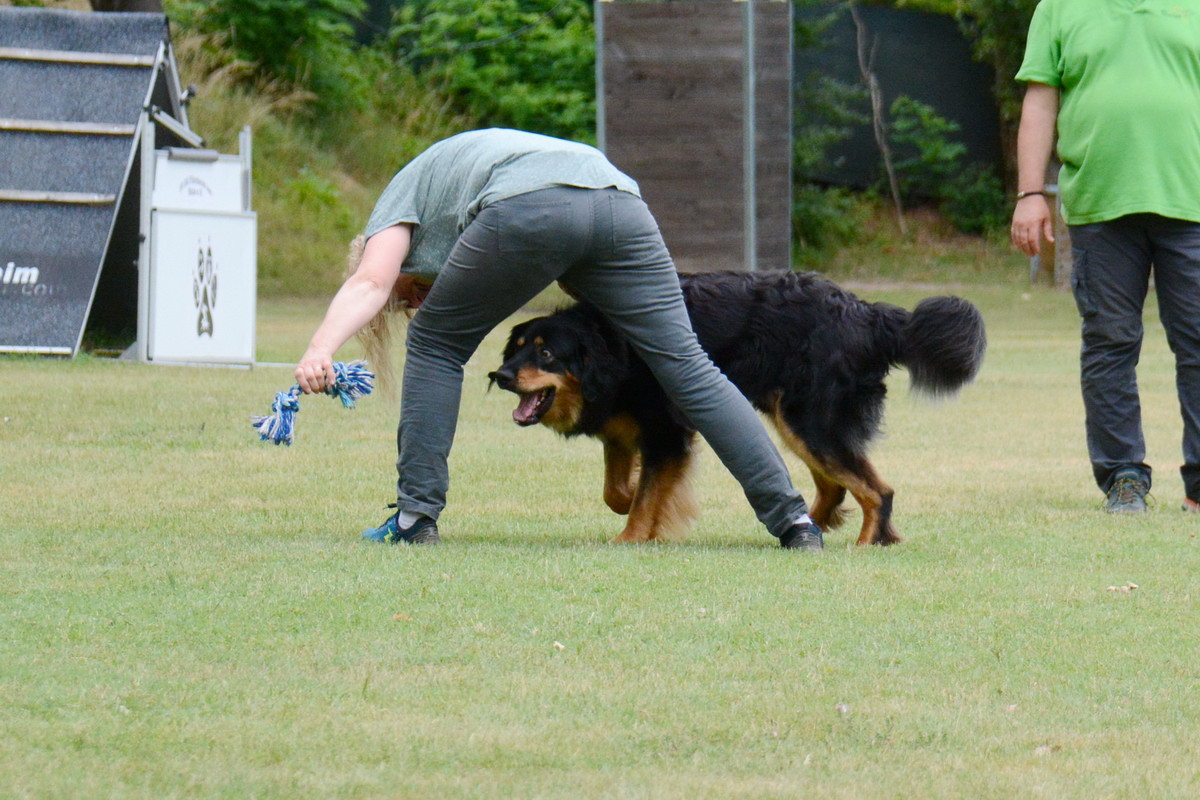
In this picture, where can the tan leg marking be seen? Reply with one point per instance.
(872, 494)
(622, 463)
(663, 507)
(826, 509)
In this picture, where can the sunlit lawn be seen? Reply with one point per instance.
(186, 612)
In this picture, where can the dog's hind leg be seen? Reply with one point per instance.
(875, 497)
(826, 509)
(872, 494)
(834, 479)
(663, 506)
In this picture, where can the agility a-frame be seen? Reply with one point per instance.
(78, 93)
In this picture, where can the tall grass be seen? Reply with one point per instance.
(931, 252)
(187, 612)
(315, 181)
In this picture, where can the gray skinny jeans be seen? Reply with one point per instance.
(1110, 278)
(605, 244)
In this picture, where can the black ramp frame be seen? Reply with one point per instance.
(73, 89)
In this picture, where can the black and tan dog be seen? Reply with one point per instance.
(808, 354)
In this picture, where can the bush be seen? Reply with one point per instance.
(823, 218)
(976, 203)
(824, 112)
(308, 43)
(526, 64)
(926, 157)
(930, 167)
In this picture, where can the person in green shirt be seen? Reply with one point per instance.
(1119, 82)
(472, 229)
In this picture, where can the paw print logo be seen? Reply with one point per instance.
(204, 289)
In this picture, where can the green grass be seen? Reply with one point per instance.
(930, 253)
(186, 612)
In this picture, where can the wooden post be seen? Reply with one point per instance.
(1062, 245)
(1053, 266)
(694, 102)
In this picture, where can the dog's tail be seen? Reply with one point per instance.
(942, 345)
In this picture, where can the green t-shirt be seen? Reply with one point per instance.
(1128, 75)
(441, 190)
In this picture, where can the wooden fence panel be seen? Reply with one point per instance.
(673, 91)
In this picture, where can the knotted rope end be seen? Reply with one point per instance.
(351, 381)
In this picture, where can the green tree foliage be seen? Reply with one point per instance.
(927, 155)
(307, 43)
(931, 167)
(824, 111)
(997, 30)
(526, 64)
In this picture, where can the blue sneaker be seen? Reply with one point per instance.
(1127, 495)
(423, 531)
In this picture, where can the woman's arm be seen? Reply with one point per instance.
(358, 300)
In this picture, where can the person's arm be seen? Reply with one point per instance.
(358, 300)
(1035, 143)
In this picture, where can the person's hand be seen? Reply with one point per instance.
(315, 371)
(1031, 221)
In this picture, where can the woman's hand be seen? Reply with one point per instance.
(315, 370)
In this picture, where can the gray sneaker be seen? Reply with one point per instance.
(1127, 494)
(803, 536)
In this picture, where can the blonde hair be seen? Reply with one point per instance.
(376, 336)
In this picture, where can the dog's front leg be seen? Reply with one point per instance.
(663, 507)
(622, 466)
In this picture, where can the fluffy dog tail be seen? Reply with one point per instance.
(942, 345)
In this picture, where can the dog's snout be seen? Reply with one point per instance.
(503, 378)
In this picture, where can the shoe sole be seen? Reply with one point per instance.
(810, 545)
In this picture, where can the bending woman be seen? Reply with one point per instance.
(471, 230)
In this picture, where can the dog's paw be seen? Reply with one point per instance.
(631, 536)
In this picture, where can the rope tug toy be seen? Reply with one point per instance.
(351, 381)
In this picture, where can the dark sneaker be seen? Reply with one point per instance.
(1127, 495)
(803, 536)
(423, 531)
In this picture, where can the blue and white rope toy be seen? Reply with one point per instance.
(351, 381)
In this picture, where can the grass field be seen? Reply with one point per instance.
(185, 612)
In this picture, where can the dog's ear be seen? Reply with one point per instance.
(514, 336)
(601, 362)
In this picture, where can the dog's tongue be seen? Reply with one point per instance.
(526, 411)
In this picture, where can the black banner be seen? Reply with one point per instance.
(50, 256)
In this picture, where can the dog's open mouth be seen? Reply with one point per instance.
(533, 406)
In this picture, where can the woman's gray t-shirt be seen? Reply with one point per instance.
(441, 190)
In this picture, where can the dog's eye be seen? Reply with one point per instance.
(546, 354)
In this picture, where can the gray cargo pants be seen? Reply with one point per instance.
(605, 244)
(1110, 278)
